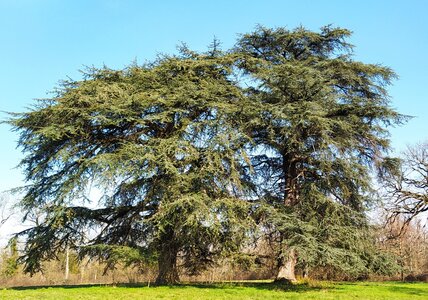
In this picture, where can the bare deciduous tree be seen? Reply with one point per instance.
(5, 209)
(407, 186)
(408, 243)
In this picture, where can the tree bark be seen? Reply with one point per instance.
(306, 271)
(291, 189)
(286, 270)
(67, 263)
(167, 261)
(286, 267)
(168, 273)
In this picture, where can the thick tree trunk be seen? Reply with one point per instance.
(286, 267)
(168, 273)
(167, 262)
(286, 270)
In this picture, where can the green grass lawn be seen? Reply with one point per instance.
(247, 290)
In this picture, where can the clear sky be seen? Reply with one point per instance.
(43, 41)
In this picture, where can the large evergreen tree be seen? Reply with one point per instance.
(160, 142)
(287, 124)
(319, 122)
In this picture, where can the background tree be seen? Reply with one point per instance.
(159, 141)
(318, 121)
(6, 208)
(408, 242)
(9, 259)
(405, 183)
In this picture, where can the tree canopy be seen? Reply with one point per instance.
(320, 125)
(153, 139)
(195, 152)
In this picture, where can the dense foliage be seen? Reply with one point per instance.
(284, 128)
(319, 128)
(154, 140)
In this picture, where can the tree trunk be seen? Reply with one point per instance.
(286, 267)
(67, 263)
(167, 261)
(168, 273)
(291, 189)
(306, 271)
(286, 270)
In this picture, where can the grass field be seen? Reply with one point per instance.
(247, 290)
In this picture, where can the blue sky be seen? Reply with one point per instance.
(44, 41)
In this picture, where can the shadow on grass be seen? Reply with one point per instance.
(396, 287)
(300, 287)
(64, 286)
(408, 290)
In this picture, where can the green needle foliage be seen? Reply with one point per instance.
(286, 126)
(319, 124)
(160, 141)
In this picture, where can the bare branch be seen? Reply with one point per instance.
(407, 190)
